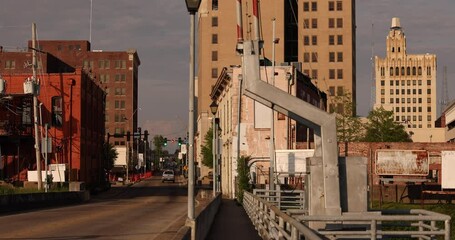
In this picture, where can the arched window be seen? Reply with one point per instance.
(399, 49)
(391, 71)
(402, 71)
(397, 71)
(393, 49)
(414, 71)
(408, 71)
(420, 71)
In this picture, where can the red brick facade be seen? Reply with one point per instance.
(73, 106)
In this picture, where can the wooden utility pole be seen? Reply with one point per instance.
(35, 108)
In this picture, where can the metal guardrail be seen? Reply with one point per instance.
(283, 199)
(272, 223)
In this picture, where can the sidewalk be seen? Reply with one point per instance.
(232, 222)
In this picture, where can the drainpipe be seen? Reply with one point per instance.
(71, 83)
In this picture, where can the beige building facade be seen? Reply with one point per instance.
(252, 136)
(406, 85)
(316, 36)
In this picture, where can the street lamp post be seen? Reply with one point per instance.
(214, 109)
(192, 6)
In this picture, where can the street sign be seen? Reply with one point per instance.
(183, 149)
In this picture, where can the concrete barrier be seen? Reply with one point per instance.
(19, 202)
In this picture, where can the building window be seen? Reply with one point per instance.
(331, 6)
(420, 91)
(10, 64)
(397, 109)
(214, 72)
(331, 56)
(397, 71)
(306, 6)
(104, 78)
(339, 6)
(306, 57)
(331, 73)
(331, 40)
(214, 55)
(428, 100)
(340, 73)
(402, 71)
(306, 40)
(314, 74)
(403, 91)
(214, 21)
(57, 111)
(119, 104)
(339, 23)
(428, 91)
(339, 56)
(314, 6)
(215, 38)
(391, 100)
(314, 57)
(382, 100)
(397, 91)
(428, 71)
(314, 23)
(120, 77)
(428, 109)
(120, 64)
(391, 91)
(214, 5)
(314, 40)
(120, 91)
(88, 64)
(332, 91)
(382, 83)
(428, 82)
(408, 71)
(408, 82)
(414, 71)
(382, 91)
(419, 71)
(331, 22)
(340, 39)
(340, 91)
(391, 71)
(306, 23)
(103, 64)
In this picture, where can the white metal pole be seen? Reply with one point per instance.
(191, 176)
(272, 120)
(214, 162)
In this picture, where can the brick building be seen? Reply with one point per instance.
(255, 121)
(115, 71)
(73, 106)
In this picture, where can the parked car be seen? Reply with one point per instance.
(168, 175)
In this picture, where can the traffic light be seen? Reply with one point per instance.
(165, 142)
(146, 135)
(180, 141)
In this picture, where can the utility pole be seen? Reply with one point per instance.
(35, 108)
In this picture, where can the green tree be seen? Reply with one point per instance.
(349, 126)
(382, 128)
(207, 149)
(243, 173)
(158, 143)
(109, 154)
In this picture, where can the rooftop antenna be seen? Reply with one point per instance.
(373, 73)
(91, 12)
(445, 94)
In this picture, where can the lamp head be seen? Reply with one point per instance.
(214, 107)
(192, 5)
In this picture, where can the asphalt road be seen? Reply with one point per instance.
(146, 210)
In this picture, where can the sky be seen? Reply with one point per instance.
(159, 30)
